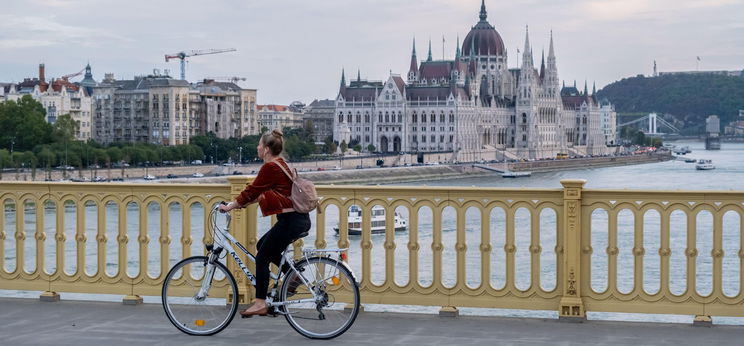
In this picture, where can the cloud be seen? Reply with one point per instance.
(33, 31)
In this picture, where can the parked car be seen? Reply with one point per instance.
(196, 162)
(171, 176)
(237, 172)
(149, 177)
(99, 179)
(197, 175)
(118, 179)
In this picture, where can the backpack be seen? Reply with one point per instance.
(304, 197)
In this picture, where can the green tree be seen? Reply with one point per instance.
(46, 159)
(357, 148)
(23, 124)
(370, 148)
(65, 128)
(4, 161)
(114, 154)
(344, 147)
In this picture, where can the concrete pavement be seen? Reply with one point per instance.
(30, 322)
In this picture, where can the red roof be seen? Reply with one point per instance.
(277, 108)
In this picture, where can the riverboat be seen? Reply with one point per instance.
(378, 221)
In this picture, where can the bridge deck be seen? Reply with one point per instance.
(30, 322)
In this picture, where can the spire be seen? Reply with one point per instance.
(343, 78)
(359, 75)
(414, 61)
(574, 83)
(483, 13)
(586, 91)
(457, 52)
(428, 58)
(551, 51)
(564, 84)
(527, 53)
(542, 65)
(594, 88)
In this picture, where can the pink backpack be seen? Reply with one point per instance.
(304, 197)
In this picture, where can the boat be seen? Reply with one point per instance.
(378, 221)
(704, 165)
(682, 150)
(690, 160)
(511, 174)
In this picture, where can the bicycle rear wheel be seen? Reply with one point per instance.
(337, 303)
(190, 312)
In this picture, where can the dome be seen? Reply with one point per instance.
(484, 38)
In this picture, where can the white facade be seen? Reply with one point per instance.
(472, 103)
(608, 122)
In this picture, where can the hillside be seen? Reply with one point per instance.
(690, 98)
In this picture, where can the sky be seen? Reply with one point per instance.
(295, 49)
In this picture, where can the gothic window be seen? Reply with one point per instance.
(340, 117)
(423, 118)
(387, 95)
(393, 96)
(414, 117)
(441, 139)
(433, 138)
(348, 117)
(433, 117)
(441, 117)
(524, 118)
(451, 118)
(366, 117)
(423, 138)
(451, 138)
(379, 117)
(387, 117)
(400, 117)
(358, 117)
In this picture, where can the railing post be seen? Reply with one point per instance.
(571, 305)
(243, 228)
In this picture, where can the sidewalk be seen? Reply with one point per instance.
(30, 322)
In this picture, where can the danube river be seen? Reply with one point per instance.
(670, 175)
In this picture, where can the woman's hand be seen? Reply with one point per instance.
(224, 208)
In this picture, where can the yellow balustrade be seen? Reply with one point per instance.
(570, 250)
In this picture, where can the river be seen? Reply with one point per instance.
(670, 175)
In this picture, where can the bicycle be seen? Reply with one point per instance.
(318, 295)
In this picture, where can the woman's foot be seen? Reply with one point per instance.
(257, 308)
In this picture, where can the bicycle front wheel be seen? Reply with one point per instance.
(190, 308)
(328, 305)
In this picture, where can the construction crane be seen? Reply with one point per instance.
(72, 75)
(185, 54)
(232, 79)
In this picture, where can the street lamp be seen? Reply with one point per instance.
(240, 156)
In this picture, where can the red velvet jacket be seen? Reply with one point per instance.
(271, 187)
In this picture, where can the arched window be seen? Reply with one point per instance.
(340, 117)
(358, 117)
(451, 118)
(524, 118)
(414, 117)
(400, 117)
(366, 117)
(379, 117)
(387, 117)
(433, 117)
(441, 117)
(423, 117)
(348, 117)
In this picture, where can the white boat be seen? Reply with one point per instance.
(378, 221)
(682, 150)
(704, 165)
(690, 160)
(515, 174)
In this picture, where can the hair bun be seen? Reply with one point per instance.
(277, 133)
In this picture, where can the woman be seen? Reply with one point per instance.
(271, 189)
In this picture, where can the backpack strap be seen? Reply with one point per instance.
(292, 178)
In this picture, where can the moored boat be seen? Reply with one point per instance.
(378, 221)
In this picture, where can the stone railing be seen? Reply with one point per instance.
(569, 250)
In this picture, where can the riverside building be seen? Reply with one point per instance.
(472, 104)
(58, 97)
(159, 109)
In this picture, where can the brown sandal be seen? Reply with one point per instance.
(246, 314)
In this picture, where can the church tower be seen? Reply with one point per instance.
(413, 71)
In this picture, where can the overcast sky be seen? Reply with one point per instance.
(295, 49)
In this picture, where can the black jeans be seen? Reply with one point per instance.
(288, 228)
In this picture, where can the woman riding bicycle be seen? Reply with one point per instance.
(271, 189)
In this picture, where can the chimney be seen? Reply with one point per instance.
(41, 73)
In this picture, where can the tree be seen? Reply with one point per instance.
(23, 124)
(4, 161)
(357, 148)
(370, 148)
(114, 154)
(46, 158)
(344, 147)
(65, 128)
